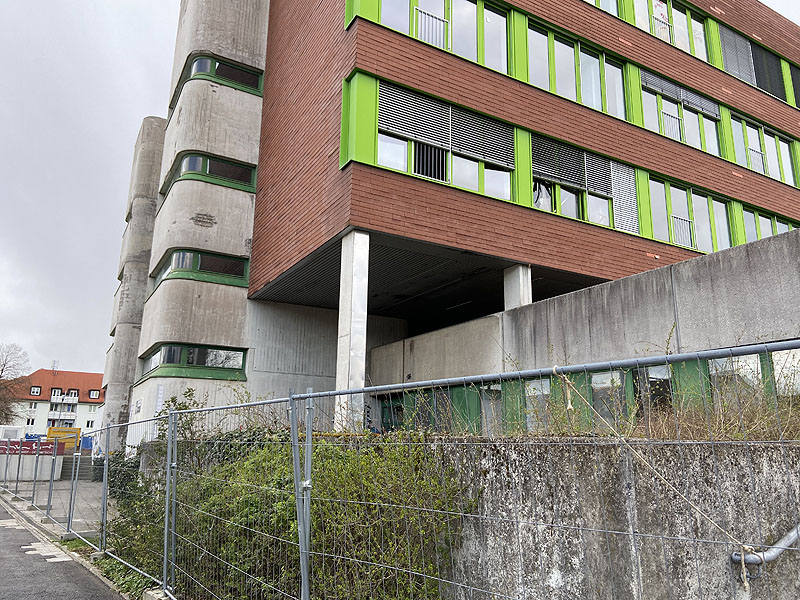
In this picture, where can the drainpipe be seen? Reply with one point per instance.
(771, 553)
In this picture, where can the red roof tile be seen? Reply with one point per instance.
(66, 380)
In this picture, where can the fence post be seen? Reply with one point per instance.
(52, 476)
(19, 466)
(36, 470)
(173, 518)
(73, 492)
(299, 509)
(5, 470)
(104, 493)
(167, 472)
(307, 485)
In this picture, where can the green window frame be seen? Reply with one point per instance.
(435, 26)
(759, 224)
(184, 263)
(196, 166)
(209, 67)
(680, 18)
(676, 128)
(184, 360)
(609, 6)
(413, 149)
(770, 154)
(581, 53)
(585, 202)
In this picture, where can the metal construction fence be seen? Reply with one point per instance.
(667, 477)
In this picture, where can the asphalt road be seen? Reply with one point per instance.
(31, 569)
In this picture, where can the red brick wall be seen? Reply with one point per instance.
(409, 62)
(396, 204)
(304, 200)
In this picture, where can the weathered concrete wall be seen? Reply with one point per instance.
(555, 519)
(28, 468)
(133, 269)
(739, 296)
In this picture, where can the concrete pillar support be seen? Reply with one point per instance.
(351, 354)
(517, 287)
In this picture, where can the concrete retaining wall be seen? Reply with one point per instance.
(744, 295)
(545, 507)
(28, 468)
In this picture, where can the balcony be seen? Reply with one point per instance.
(64, 399)
(61, 414)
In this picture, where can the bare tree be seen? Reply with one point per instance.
(14, 369)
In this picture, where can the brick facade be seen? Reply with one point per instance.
(304, 199)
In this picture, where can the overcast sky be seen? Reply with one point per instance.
(79, 77)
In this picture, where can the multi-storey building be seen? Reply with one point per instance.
(339, 177)
(55, 398)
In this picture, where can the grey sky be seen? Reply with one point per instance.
(80, 75)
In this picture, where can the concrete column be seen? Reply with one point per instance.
(517, 287)
(351, 353)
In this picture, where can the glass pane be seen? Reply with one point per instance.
(658, 205)
(543, 195)
(680, 23)
(465, 173)
(786, 365)
(782, 227)
(196, 356)
(723, 232)
(765, 226)
(773, 166)
(569, 203)
(497, 183)
(394, 14)
(392, 152)
(733, 377)
(699, 34)
(610, 6)
(434, 7)
(170, 355)
(192, 164)
(691, 125)
(712, 137)
(538, 59)
(565, 69)
(590, 80)
(661, 26)
(247, 78)
(786, 159)
(608, 397)
(465, 29)
(681, 224)
(679, 201)
(615, 90)
(182, 260)
(671, 119)
(225, 359)
(229, 171)
(597, 208)
(495, 45)
(642, 14)
(750, 226)
(201, 65)
(222, 265)
(702, 223)
(650, 111)
(757, 162)
(738, 143)
(537, 398)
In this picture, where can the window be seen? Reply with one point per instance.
(598, 210)
(674, 23)
(32, 405)
(94, 394)
(220, 171)
(615, 89)
(466, 14)
(537, 400)
(465, 29)
(758, 225)
(722, 230)
(786, 369)
(771, 156)
(653, 388)
(209, 68)
(608, 397)
(395, 13)
(445, 143)
(93, 408)
(29, 422)
(609, 6)
(495, 39)
(197, 356)
(51, 422)
(590, 80)
(89, 424)
(680, 114)
(543, 195)
(566, 84)
(72, 393)
(68, 408)
(752, 63)
(794, 71)
(539, 58)
(54, 407)
(56, 393)
(688, 218)
(36, 390)
(768, 71)
(569, 204)
(185, 264)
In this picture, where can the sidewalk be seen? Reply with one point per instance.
(33, 568)
(88, 500)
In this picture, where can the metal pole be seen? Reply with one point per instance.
(167, 469)
(173, 519)
(307, 478)
(104, 499)
(19, 467)
(301, 538)
(8, 458)
(74, 487)
(36, 470)
(52, 476)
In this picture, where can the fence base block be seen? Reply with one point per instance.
(154, 595)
